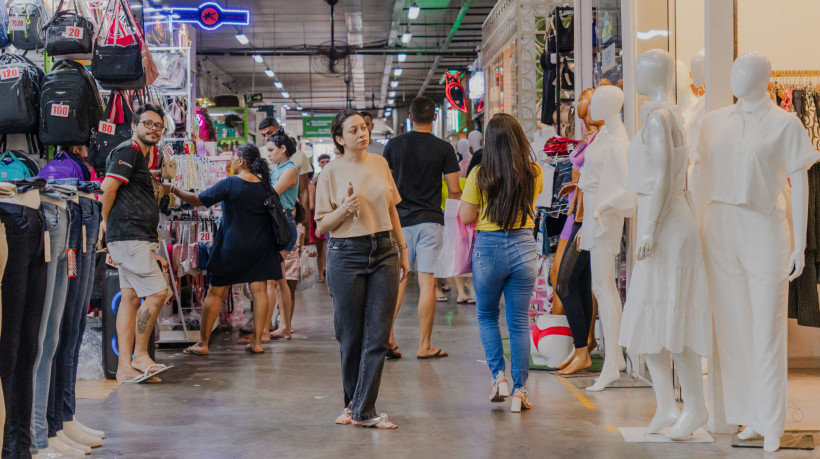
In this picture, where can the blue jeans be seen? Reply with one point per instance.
(363, 277)
(505, 262)
(56, 222)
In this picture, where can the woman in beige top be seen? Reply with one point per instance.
(356, 202)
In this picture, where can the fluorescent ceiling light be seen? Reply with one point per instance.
(278, 84)
(392, 93)
(242, 38)
(298, 107)
(305, 114)
(402, 57)
(394, 84)
(286, 95)
(257, 58)
(391, 101)
(286, 107)
(413, 12)
(269, 73)
(405, 37)
(397, 71)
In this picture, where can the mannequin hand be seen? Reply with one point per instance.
(567, 189)
(796, 264)
(645, 247)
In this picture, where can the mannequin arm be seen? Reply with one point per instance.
(659, 130)
(800, 208)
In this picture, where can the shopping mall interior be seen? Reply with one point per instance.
(225, 225)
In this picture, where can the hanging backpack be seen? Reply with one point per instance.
(11, 168)
(117, 62)
(61, 167)
(69, 105)
(26, 20)
(68, 32)
(4, 25)
(114, 129)
(20, 82)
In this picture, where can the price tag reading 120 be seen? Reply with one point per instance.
(74, 32)
(9, 74)
(107, 128)
(59, 110)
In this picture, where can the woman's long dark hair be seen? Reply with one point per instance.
(256, 163)
(280, 138)
(336, 129)
(506, 178)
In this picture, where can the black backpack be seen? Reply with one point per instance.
(20, 82)
(102, 143)
(69, 105)
(281, 226)
(26, 20)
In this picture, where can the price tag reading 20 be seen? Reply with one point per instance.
(9, 74)
(59, 110)
(74, 32)
(205, 236)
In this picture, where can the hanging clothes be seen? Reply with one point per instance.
(804, 304)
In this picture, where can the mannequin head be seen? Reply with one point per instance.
(682, 78)
(698, 64)
(750, 75)
(606, 102)
(654, 74)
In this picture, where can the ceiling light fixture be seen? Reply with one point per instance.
(269, 73)
(391, 101)
(278, 84)
(242, 38)
(298, 107)
(402, 57)
(392, 94)
(257, 58)
(286, 95)
(394, 84)
(305, 114)
(405, 37)
(397, 71)
(413, 12)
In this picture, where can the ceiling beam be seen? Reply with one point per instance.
(361, 51)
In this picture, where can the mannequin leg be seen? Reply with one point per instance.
(694, 405)
(610, 310)
(573, 287)
(660, 368)
(592, 343)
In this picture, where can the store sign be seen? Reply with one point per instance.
(454, 90)
(476, 85)
(317, 126)
(209, 15)
(251, 98)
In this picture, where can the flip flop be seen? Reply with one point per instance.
(446, 288)
(146, 375)
(467, 301)
(249, 349)
(190, 351)
(439, 354)
(393, 354)
(442, 299)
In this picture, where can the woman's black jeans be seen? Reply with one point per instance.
(24, 291)
(574, 288)
(363, 277)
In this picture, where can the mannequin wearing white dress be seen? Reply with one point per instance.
(666, 306)
(748, 150)
(602, 179)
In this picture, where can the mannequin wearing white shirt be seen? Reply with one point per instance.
(748, 150)
(602, 180)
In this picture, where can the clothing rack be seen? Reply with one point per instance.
(795, 73)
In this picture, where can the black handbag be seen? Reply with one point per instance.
(68, 32)
(103, 140)
(279, 218)
(117, 60)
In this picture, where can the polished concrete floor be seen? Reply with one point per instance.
(283, 404)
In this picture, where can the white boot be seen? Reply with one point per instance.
(68, 441)
(747, 434)
(79, 436)
(87, 430)
(771, 443)
(58, 445)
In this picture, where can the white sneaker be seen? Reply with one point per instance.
(500, 388)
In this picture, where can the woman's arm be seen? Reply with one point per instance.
(312, 196)
(330, 221)
(404, 264)
(286, 181)
(468, 213)
(186, 196)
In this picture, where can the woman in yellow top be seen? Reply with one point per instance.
(356, 201)
(501, 194)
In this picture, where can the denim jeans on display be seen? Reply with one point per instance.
(56, 223)
(91, 223)
(65, 350)
(24, 289)
(505, 262)
(363, 278)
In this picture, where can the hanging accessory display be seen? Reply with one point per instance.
(69, 105)
(20, 83)
(26, 19)
(69, 32)
(121, 59)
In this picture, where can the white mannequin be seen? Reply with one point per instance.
(685, 97)
(698, 67)
(749, 299)
(665, 224)
(694, 119)
(602, 235)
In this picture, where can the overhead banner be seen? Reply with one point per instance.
(317, 126)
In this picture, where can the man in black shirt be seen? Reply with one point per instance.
(418, 159)
(130, 217)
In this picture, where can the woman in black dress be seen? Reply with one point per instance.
(245, 248)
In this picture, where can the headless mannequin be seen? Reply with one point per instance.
(654, 79)
(605, 105)
(762, 405)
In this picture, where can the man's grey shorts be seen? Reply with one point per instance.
(423, 246)
(138, 268)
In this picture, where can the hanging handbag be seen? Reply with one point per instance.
(117, 61)
(114, 129)
(68, 32)
(172, 70)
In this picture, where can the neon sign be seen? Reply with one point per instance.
(209, 15)
(454, 90)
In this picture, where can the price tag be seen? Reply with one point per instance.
(17, 23)
(47, 245)
(74, 32)
(107, 128)
(205, 236)
(110, 261)
(59, 110)
(10, 74)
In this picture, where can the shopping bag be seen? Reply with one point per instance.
(455, 258)
(308, 268)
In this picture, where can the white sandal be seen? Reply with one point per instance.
(376, 422)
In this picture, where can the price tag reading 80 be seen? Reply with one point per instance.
(17, 23)
(205, 236)
(10, 74)
(107, 128)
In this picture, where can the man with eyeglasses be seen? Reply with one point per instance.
(130, 217)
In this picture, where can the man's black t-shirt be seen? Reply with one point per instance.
(135, 214)
(418, 160)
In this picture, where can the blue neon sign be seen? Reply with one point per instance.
(209, 15)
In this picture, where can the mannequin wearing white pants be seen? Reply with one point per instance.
(747, 152)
